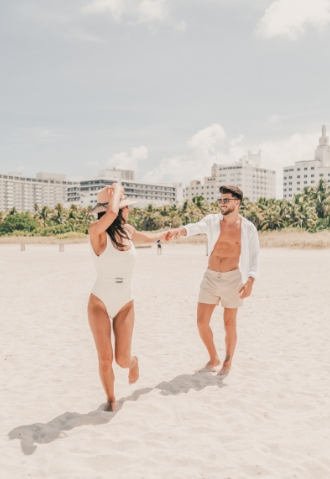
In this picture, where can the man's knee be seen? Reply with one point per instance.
(203, 322)
(230, 322)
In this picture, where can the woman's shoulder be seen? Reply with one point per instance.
(130, 229)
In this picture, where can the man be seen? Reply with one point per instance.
(232, 269)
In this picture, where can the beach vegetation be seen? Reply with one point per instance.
(306, 211)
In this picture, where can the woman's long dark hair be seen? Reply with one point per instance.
(116, 230)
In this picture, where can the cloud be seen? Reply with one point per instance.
(206, 147)
(207, 140)
(92, 163)
(298, 147)
(211, 145)
(289, 18)
(129, 161)
(274, 118)
(237, 141)
(137, 10)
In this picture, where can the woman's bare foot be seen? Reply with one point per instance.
(224, 371)
(110, 405)
(210, 366)
(133, 374)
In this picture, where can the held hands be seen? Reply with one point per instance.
(166, 235)
(246, 289)
(174, 233)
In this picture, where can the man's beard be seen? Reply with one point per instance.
(227, 211)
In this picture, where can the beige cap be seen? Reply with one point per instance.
(103, 198)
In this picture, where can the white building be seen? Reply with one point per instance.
(46, 189)
(157, 194)
(247, 174)
(308, 173)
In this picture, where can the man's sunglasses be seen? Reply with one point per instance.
(226, 200)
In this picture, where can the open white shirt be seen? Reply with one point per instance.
(249, 259)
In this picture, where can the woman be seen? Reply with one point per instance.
(113, 251)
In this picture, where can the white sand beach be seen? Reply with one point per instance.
(268, 419)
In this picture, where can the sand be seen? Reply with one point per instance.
(268, 419)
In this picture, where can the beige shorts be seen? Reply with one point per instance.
(223, 287)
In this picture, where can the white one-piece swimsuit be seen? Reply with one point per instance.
(114, 269)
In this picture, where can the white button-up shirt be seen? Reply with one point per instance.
(249, 259)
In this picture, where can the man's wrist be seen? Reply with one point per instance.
(251, 279)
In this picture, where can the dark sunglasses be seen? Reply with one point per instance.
(226, 200)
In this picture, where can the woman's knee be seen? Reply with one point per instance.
(123, 361)
(105, 361)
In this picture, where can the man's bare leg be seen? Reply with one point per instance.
(229, 318)
(204, 314)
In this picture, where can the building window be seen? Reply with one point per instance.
(305, 182)
(290, 182)
(312, 181)
(305, 176)
(298, 176)
(305, 168)
(312, 168)
(298, 169)
(298, 182)
(290, 177)
(312, 176)
(290, 189)
(321, 174)
(285, 177)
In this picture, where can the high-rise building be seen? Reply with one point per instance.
(157, 194)
(246, 173)
(310, 172)
(23, 193)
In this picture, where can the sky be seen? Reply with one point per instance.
(164, 87)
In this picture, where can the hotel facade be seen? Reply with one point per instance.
(308, 173)
(247, 174)
(157, 194)
(23, 193)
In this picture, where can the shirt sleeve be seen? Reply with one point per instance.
(197, 228)
(254, 249)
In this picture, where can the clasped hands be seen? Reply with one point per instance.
(173, 233)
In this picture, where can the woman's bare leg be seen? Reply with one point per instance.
(101, 328)
(123, 325)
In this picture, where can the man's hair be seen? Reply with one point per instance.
(234, 190)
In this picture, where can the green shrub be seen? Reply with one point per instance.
(18, 222)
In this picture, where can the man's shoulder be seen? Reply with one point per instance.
(248, 224)
(213, 217)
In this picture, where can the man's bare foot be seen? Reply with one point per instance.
(133, 374)
(224, 371)
(110, 405)
(210, 366)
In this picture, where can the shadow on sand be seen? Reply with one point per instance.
(40, 433)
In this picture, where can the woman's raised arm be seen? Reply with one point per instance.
(115, 192)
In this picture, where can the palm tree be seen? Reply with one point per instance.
(43, 214)
(60, 214)
(201, 204)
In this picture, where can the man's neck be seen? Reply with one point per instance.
(231, 218)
